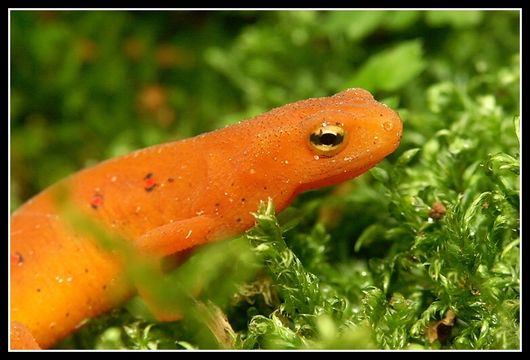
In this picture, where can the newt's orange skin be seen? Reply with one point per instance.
(171, 197)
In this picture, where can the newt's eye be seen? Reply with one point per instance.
(327, 139)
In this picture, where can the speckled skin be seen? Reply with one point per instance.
(171, 197)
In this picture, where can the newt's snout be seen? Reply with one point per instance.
(391, 129)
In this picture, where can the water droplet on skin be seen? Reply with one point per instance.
(113, 179)
(69, 279)
(252, 171)
(388, 126)
(59, 279)
(52, 325)
(316, 157)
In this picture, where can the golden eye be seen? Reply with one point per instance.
(328, 140)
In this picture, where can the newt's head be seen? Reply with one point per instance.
(318, 142)
(313, 143)
(350, 133)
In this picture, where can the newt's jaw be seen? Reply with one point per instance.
(336, 179)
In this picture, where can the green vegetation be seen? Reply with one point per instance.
(420, 253)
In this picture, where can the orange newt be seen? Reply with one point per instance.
(171, 197)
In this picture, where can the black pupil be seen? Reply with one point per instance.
(329, 139)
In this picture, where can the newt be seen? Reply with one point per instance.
(171, 197)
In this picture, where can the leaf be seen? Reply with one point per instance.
(454, 18)
(354, 24)
(369, 235)
(399, 20)
(460, 144)
(407, 156)
(390, 69)
(379, 174)
(517, 126)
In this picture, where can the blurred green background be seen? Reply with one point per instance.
(90, 85)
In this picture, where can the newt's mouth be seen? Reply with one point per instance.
(365, 163)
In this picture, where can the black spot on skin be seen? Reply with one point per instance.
(104, 287)
(217, 204)
(150, 188)
(38, 290)
(67, 314)
(381, 115)
(264, 188)
(149, 182)
(86, 271)
(238, 219)
(96, 201)
(243, 199)
(170, 179)
(20, 258)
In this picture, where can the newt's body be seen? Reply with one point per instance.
(171, 197)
